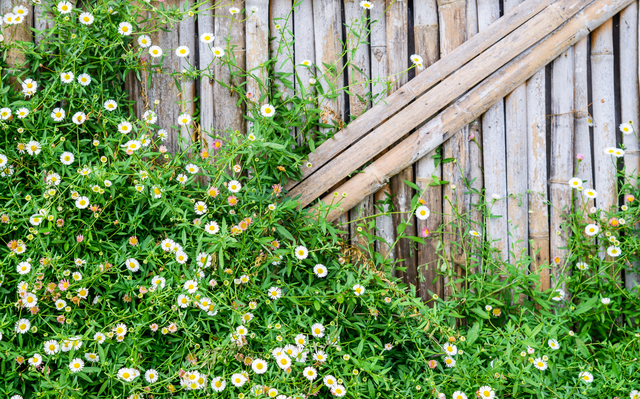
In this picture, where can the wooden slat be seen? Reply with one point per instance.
(426, 39)
(604, 114)
(257, 44)
(629, 98)
(13, 33)
(426, 106)
(379, 73)
(231, 36)
(494, 148)
(359, 53)
(439, 71)
(304, 46)
(281, 15)
(187, 37)
(561, 169)
(537, 177)
(205, 58)
(453, 21)
(475, 102)
(582, 130)
(516, 123)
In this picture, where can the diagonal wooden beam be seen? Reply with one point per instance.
(474, 103)
(437, 98)
(423, 82)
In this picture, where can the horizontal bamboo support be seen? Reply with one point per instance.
(437, 98)
(474, 103)
(423, 82)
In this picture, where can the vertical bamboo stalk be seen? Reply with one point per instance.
(379, 73)
(537, 177)
(327, 24)
(206, 25)
(561, 153)
(427, 45)
(604, 116)
(398, 61)
(517, 203)
(494, 147)
(453, 23)
(629, 97)
(230, 34)
(359, 86)
(582, 130)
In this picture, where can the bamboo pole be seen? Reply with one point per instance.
(561, 169)
(359, 74)
(494, 149)
(426, 106)
(453, 21)
(427, 46)
(379, 73)
(537, 178)
(475, 102)
(604, 114)
(227, 115)
(629, 99)
(398, 100)
(516, 123)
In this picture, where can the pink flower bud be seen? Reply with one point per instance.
(580, 156)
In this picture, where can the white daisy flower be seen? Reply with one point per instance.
(132, 265)
(3, 160)
(339, 391)
(540, 364)
(60, 304)
(57, 114)
(5, 113)
(66, 77)
(474, 233)
(234, 10)
(33, 147)
(144, 41)
(458, 395)
(151, 376)
(190, 286)
(86, 18)
(22, 326)
(330, 381)
(200, 207)
(283, 361)
(82, 202)
(35, 360)
(218, 384)
(626, 128)
(259, 366)
(21, 10)
(486, 392)
(423, 212)
(559, 295)
(575, 182)
(182, 51)
(29, 87)
(553, 344)
(211, 227)
(83, 292)
(320, 270)
(207, 37)
(358, 289)
(64, 7)
(22, 113)
(110, 105)
(181, 257)
(53, 179)
(238, 380)
(586, 377)
(605, 301)
(450, 349)
(125, 28)
(217, 51)
(184, 120)
(150, 116)
(591, 229)
(320, 356)
(124, 127)
(317, 330)
(183, 301)
(79, 118)
(234, 186)
(582, 266)
(267, 110)
(301, 252)
(157, 192)
(84, 79)
(310, 373)
(155, 51)
(36, 220)
(92, 357)
(275, 293)
(191, 168)
(416, 59)
(29, 300)
(51, 347)
(614, 251)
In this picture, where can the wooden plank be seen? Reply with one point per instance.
(281, 46)
(475, 102)
(604, 114)
(515, 104)
(494, 148)
(379, 73)
(427, 105)
(561, 169)
(187, 37)
(629, 99)
(205, 61)
(230, 35)
(15, 58)
(398, 62)
(452, 25)
(304, 49)
(257, 44)
(443, 68)
(43, 19)
(359, 53)
(426, 39)
(582, 130)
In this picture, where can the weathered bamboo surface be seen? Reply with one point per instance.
(476, 53)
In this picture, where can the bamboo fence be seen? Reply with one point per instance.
(495, 74)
